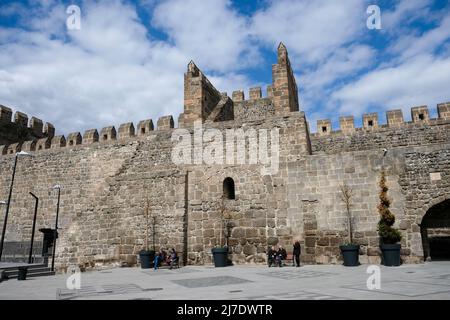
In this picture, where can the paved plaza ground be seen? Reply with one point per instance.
(312, 282)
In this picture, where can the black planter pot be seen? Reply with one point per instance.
(146, 257)
(391, 254)
(220, 256)
(350, 253)
(22, 274)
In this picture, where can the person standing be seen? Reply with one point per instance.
(296, 252)
(173, 259)
(156, 261)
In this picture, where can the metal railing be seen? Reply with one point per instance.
(18, 251)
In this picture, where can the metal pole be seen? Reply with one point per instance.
(33, 228)
(7, 207)
(56, 231)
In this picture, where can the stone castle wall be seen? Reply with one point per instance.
(107, 176)
(105, 184)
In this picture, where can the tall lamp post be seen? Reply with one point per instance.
(21, 153)
(58, 187)
(2, 203)
(34, 226)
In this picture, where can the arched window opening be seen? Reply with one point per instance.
(228, 188)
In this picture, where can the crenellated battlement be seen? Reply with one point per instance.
(127, 131)
(90, 136)
(396, 132)
(107, 135)
(394, 119)
(255, 93)
(18, 128)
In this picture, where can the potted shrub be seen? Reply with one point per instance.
(220, 253)
(389, 236)
(349, 250)
(147, 256)
(220, 256)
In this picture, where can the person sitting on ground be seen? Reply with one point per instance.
(173, 258)
(271, 256)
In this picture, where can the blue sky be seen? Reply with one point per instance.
(126, 63)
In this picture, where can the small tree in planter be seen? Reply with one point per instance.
(389, 236)
(146, 256)
(220, 252)
(350, 250)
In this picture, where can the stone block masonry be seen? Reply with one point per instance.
(107, 175)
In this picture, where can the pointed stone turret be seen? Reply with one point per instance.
(282, 55)
(284, 88)
(193, 69)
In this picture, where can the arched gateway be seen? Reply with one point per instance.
(435, 230)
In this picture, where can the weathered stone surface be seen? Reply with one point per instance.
(105, 185)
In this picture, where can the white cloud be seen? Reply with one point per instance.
(104, 74)
(107, 73)
(311, 30)
(343, 63)
(405, 12)
(210, 32)
(418, 81)
(425, 43)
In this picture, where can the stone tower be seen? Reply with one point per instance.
(200, 96)
(284, 88)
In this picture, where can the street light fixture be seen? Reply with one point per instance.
(58, 187)
(17, 155)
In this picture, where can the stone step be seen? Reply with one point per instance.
(34, 270)
(14, 272)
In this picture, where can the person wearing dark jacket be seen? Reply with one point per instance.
(281, 255)
(173, 258)
(296, 252)
(271, 254)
